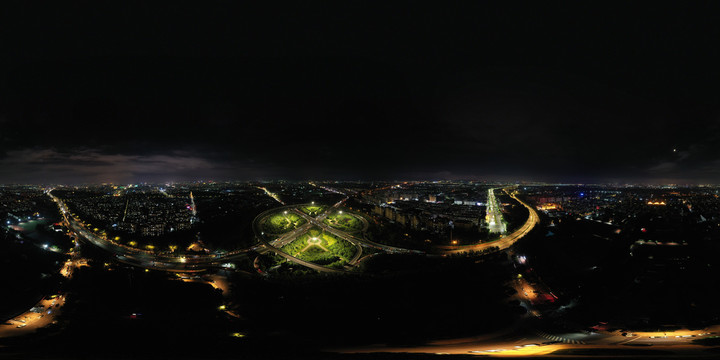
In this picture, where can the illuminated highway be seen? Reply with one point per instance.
(276, 244)
(272, 195)
(523, 340)
(144, 258)
(189, 263)
(505, 241)
(194, 263)
(318, 221)
(493, 215)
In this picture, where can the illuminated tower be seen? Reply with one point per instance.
(193, 209)
(493, 215)
(192, 205)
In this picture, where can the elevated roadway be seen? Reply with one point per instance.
(144, 258)
(503, 242)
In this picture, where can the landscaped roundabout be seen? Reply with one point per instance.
(332, 238)
(281, 222)
(320, 237)
(317, 236)
(319, 247)
(345, 222)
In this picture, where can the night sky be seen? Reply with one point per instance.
(567, 92)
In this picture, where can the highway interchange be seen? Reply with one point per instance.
(201, 262)
(505, 241)
(318, 221)
(519, 340)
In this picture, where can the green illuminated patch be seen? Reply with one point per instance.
(344, 222)
(282, 222)
(321, 248)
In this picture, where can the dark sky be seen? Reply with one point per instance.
(573, 91)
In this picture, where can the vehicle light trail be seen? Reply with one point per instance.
(272, 195)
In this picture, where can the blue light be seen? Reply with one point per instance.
(582, 194)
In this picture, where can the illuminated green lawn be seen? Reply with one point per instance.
(282, 222)
(313, 210)
(344, 222)
(321, 248)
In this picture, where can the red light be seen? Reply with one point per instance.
(643, 229)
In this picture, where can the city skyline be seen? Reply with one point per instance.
(359, 180)
(206, 269)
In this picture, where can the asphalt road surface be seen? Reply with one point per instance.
(505, 241)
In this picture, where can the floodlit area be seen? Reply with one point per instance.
(39, 316)
(321, 248)
(493, 217)
(282, 222)
(344, 221)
